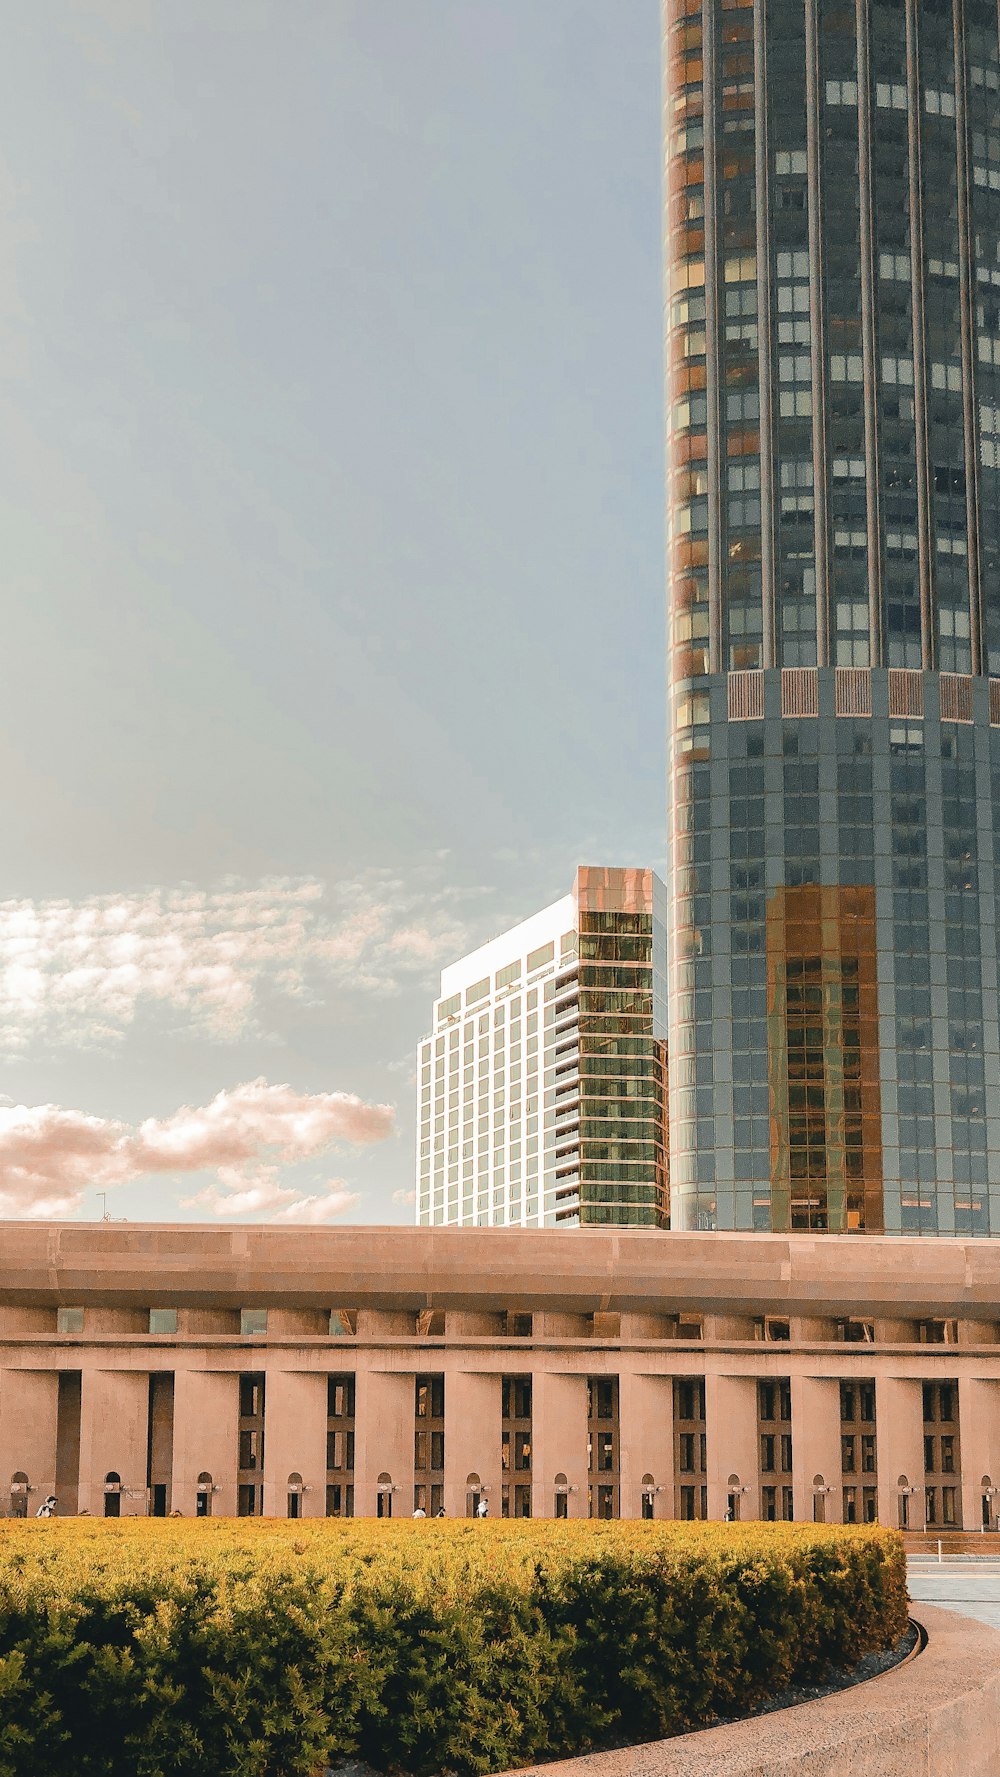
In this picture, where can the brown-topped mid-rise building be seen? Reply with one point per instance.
(542, 1087)
(375, 1372)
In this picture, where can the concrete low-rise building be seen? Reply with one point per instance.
(375, 1371)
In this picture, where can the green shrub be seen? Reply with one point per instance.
(147, 1648)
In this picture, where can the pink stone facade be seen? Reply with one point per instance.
(370, 1371)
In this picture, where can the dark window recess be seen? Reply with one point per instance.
(250, 1453)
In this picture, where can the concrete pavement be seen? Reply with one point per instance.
(965, 1584)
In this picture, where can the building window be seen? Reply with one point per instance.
(250, 1453)
(690, 1447)
(774, 1430)
(942, 1453)
(428, 1444)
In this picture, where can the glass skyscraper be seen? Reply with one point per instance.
(832, 316)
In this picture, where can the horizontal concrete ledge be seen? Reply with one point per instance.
(592, 1270)
(934, 1716)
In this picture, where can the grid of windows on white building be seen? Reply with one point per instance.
(488, 1152)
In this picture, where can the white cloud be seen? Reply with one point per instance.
(50, 1156)
(81, 972)
(404, 1196)
(323, 1208)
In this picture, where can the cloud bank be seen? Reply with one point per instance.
(81, 972)
(49, 1157)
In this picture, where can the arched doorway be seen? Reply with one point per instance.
(203, 1497)
(561, 1500)
(383, 1496)
(648, 1496)
(295, 1491)
(20, 1487)
(820, 1491)
(989, 1494)
(112, 1495)
(905, 1492)
(473, 1495)
(734, 1493)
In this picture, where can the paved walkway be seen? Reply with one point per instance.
(960, 1583)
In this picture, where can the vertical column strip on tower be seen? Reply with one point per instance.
(765, 367)
(715, 526)
(814, 102)
(928, 643)
(873, 478)
(967, 297)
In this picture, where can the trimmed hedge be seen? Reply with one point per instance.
(142, 1648)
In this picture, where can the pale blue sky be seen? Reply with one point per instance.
(331, 510)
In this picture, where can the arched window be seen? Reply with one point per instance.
(295, 1491)
(112, 1494)
(203, 1498)
(20, 1487)
(383, 1495)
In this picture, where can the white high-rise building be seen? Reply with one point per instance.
(541, 1088)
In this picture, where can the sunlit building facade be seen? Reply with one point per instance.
(541, 1090)
(832, 229)
(612, 1373)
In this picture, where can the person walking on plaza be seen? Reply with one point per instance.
(483, 1508)
(47, 1509)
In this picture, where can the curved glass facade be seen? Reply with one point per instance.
(832, 313)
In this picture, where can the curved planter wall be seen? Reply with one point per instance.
(935, 1716)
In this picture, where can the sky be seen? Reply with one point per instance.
(331, 512)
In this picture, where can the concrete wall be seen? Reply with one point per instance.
(938, 1715)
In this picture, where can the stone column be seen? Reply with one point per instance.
(731, 1437)
(979, 1445)
(816, 1448)
(472, 1440)
(114, 1428)
(294, 1323)
(559, 1442)
(294, 1440)
(899, 1426)
(551, 1325)
(206, 1439)
(646, 1441)
(98, 1319)
(383, 1438)
(29, 1401)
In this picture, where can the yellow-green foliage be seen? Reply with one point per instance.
(235, 1648)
